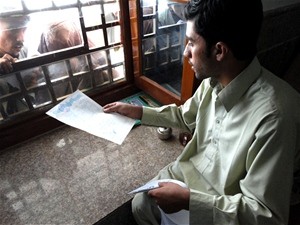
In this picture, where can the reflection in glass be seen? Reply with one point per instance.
(33, 78)
(16, 104)
(111, 12)
(114, 34)
(12, 101)
(79, 65)
(163, 42)
(42, 96)
(149, 26)
(101, 77)
(62, 89)
(149, 45)
(82, 82)
(101, 57)
(170, 13)
(9, 84)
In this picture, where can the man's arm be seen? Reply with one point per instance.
(132, 111)
(171, 197)
(6, 62)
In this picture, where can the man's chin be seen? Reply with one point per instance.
(15, 54)
(198, 76)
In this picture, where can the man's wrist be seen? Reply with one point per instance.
(186, 197)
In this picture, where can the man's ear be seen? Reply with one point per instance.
(221, 51)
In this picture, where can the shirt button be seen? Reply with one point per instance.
(218, 121)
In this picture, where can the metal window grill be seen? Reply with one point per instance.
(46, 79)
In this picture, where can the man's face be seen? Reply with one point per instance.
(11, 40)
(196, 52)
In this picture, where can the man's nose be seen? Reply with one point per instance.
(186, 52)
(20, 35)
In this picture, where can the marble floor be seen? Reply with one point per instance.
(71, 177)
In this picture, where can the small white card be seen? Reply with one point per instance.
(155, 184)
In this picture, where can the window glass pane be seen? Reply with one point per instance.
(53, 30)
(111, 12)
(64, 2)
(34, 4)
(82, 82)
(149, 27)
(175, 54)
(58, 74)
(114, 34)
(11, 98)
(11, 5)
(79, 65)
(101, 77)
(163, 42)
(57, 71)
(62, 89)
(16, 104)
(148, 10)
(33, 78)
(92, 15)
(116, 55)
(99, 59)
(9, 84)
(149, 45)
(96, 38)
(87, 1)
(42, 97)
(118, 72)
(148, 3)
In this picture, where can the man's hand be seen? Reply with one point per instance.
(171, 197)
(6, 63)
(132, 111)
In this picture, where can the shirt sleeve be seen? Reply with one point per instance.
(183, 117)
(265, 189)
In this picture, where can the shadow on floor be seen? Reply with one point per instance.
(120, 216)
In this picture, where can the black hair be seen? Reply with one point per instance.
(234, 22)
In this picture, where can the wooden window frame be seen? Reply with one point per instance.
(188, 83)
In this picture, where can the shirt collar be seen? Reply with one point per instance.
(230, 95)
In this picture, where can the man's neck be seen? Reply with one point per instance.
(232, 70)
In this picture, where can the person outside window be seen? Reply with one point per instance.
(12, 33)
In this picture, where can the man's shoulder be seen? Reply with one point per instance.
(277, 91)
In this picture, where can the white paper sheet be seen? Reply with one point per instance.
(155, 184)
(80, 111)
(181, 217)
